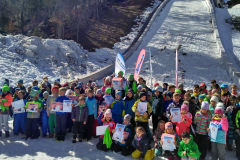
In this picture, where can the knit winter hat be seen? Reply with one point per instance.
(180, 85)
(142, 93)
(5, 88)
(205, 105)
(203, 96)
(119, 93)
(99, 91)
(44, 93)
(65, 84)
(140, 87)
(178, 91)
(214, 90)
(128, 117)
(168, 93)
(220, 105)
(131, 90)
(108, 113)
(56, 88)
(20, 80)
(94, 84)
(34, 92)
(218, 110)
(80, 84)
(108, 90)
(131, 77)
(121, 72)
(156, 84)
(214, 98)
(203, 84)
(57, 80)
(185, 107)
(168, 124)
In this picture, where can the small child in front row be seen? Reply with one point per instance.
(157, 137)
(188, 149)
(126, 145)
(218, 145)
(103, 121)
(169, 130)
(79, 117)
(141, 143)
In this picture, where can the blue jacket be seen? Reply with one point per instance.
(92, 106)
(128, 129)
(117, 107)
(166, 104)
(128, 107)
(61, 99)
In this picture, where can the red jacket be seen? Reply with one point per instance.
(181, 126)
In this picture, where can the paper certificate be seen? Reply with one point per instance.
(73, 98)
(100, 130)
(67, 106)
(117, 82)
(56, 106)
(168, 142)
(108, 99)
(31, 107)
(213, 130)
(18, 106)
(175, 112)
(119, 133)
(142, 107)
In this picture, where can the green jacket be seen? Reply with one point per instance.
(134, 87)
(212, 109)
(191, 147)
(237, 119)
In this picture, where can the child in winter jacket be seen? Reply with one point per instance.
(214, 100)
(108, 97)
(218, 144)
(139, 88)
(33, 118)
(129, 102)
(20, 115)
(141, 143)
(126, 145)
(169, 131)
(225, 95)
(52, 121)
(142, 120)
(234, 90)
(106, 120)
(5, 103)
(188, 149)
(167, 102)
(157, 107)
(91, 103)
(231, 113)
(183, 125)
(176, 104)
(44, 116)
(61, 117)
(100, 101)
(79, 117)
(157, 137)
(117, 108)
(202, 121)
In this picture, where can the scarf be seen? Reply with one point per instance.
(81, 106)
(222, 93)
(216, 119)
(76, 94)
(107, 138)
(138, 138)
(196, 94)
(235, 93)
(90, 98)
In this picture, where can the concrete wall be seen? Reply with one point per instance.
(108, 70)
(232, 71)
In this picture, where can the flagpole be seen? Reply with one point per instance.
(150, 67)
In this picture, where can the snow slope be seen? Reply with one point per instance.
(185, 23)
(31, 58)
(229, 37)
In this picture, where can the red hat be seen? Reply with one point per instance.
(56, 88)
(156, 84)
(185, 107)
(65, 84)
(203, 84)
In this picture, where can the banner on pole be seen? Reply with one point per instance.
(150, 66)
(139, 63)
(119, 64)
(176, 68)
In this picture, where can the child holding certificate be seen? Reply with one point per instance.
(157, 137)
(141, 118)
(141, 143)
(218, 143)
(188, 149)
(103, 121)
(33, 118)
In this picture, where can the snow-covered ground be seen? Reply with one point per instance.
(229, 36)
(31, 58)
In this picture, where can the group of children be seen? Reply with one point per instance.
(198, 108)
